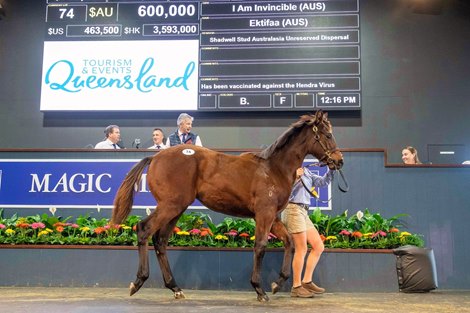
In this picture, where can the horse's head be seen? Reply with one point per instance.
(321, 142)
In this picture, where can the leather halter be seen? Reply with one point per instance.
(329, 159)
(327, 152)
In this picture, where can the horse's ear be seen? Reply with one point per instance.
(318, 116)
(325, 116)
(311, 120)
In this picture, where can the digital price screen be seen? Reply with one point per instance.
(201, 56)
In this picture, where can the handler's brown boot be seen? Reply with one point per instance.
(301, 292)
(313, 288)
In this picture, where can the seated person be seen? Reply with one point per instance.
(183, 134)
(409, 155)
(157, 137)
(112, 137)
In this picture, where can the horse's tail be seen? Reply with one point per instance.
(125, 195)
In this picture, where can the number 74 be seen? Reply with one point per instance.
(66, 13)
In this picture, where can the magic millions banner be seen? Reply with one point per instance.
(84, 184)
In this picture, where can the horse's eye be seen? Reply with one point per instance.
(329, 136)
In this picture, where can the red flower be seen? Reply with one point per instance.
(379, 233)
(195, 231)
(232, 233)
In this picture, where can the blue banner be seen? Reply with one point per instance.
(84, 184)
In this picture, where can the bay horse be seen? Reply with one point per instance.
(253, 185)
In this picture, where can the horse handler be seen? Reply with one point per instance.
(295, 218)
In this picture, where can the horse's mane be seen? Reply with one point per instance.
(286, 136)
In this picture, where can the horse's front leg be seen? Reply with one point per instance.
(281, 233)
(143, 233)
(160, 242)
(263, 225)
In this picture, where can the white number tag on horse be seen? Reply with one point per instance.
(188, 151)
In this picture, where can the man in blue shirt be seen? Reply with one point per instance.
(295, 218)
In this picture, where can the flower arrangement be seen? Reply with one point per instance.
(364, 230)
(359, 231)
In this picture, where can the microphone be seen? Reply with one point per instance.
(136, 143)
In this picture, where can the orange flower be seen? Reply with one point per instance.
(245, 235)
(322, 237)
(60, 229)
(357, 234)
(394, 230)
(99, 230)
(22, 225)
(176, 230)
(134, 228)
(207, 230)
(204, 233)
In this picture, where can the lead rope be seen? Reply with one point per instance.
(346, 185)
(341, 188)
(317, 199)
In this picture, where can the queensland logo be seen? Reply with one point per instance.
(63, 76)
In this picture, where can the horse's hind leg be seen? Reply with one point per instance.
(160, 242)
(281, 233)
(145, 228)
(143, 232)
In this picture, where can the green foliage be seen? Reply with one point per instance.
(239, 225)
(195, 220)
(362, 230)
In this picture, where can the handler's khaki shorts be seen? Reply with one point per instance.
(296, 219)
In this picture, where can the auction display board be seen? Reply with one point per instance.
(206, 56)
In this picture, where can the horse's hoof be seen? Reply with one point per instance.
(179, 295)
(275, 287)
(133, 288)
(263, 298)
